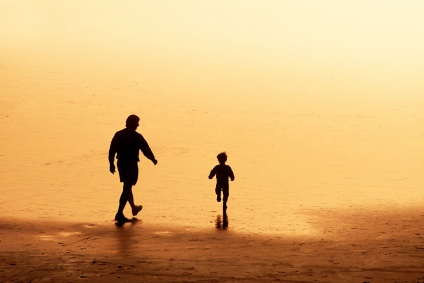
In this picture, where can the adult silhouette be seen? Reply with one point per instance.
(126, 145)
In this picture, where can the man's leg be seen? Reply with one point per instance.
(131, 199)
(126, 192)
(135, 208)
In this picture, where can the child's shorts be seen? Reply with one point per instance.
(225, 188)
(128, 171)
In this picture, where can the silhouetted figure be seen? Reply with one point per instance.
(126, 144)
(223, 172)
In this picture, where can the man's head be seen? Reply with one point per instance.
(132, 122)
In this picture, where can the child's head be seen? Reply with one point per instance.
(222, 157)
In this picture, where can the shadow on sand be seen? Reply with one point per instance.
(132, 221)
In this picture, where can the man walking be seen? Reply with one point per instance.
(126, 144)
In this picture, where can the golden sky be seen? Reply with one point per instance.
(309, 31)
(355, 45)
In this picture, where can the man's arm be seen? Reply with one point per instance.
(145, 148)
(112, 152)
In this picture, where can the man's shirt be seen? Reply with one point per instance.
(127, 144)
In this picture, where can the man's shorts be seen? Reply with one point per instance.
(128, 171)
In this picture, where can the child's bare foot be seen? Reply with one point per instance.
(218, 198)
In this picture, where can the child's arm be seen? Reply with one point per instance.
(231, 174)
(212, 174)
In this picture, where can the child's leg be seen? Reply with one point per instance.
(226, 193)
(218, 192)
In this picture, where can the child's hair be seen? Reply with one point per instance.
(222, 157)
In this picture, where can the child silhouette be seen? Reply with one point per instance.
(223, 172)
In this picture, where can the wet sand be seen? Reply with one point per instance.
(355, 246)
